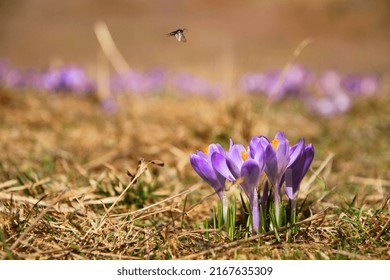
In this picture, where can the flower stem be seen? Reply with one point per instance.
(225, 204)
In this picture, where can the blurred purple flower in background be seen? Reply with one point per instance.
(140, 83)
(327, 94)
(75, 79)
(10, 77)
(187, 84)
(137, 82)
(330, 99)
(32, 80)
(361, 85)
(158, 78)
(67, 79)
(272, 83)
(13, 78)
(109, 105)
(296, 78)
(51, 80)
(258, 82)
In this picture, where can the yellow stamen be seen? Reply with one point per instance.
(275, 143)
(244, 155)
(206, 150)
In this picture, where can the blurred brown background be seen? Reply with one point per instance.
(348, 35)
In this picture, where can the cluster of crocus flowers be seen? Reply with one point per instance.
(327, 94)
(284, 167)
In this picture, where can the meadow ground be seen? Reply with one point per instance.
(80, 183)
(64, 163)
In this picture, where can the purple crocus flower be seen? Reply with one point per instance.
(297, 170)
(278, 157)
(238, 163)
(201, 162)
(229, 164)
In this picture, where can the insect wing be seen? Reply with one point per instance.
(180, 37)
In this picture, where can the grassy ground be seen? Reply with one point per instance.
(73, 185)
(65, 191)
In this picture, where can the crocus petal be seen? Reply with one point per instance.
(296, 150)
(295, 173)
(282, 155)
(301, 167)
(234, 169)
(234, 158)
(256, 142)
(207, 173)
(258, 155)
(289, 184)
(201, 154)
(215, 148)
(271, 165)
(203, 168)
(250, 172)
(264, 141)
(219, 163)
(280, 136)
(253, 145)
(309, 151)
(235, 153)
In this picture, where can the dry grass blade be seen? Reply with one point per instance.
(104, 159)
(385, 227)
(302, 45)
(30, 200)
(142, 166)
(109, 48)
(8, 184)
(385, 203)
(186, 192)
(39, 217)
(369, 181)
(304, 188)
